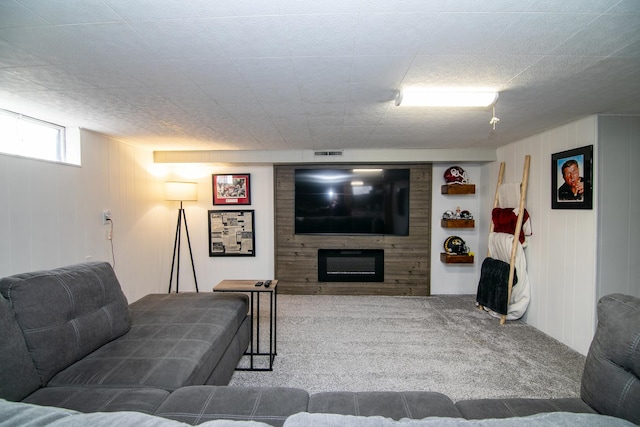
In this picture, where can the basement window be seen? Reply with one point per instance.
(29, 137)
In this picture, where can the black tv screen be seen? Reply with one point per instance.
(352, 201)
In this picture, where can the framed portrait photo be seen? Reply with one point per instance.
(231, 189)
(571, 179)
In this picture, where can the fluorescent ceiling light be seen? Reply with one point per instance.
(462, 97)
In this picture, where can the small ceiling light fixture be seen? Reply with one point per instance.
(445, 97)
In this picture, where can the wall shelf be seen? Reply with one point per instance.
(456, 259)
(458, 223)
(458, 189)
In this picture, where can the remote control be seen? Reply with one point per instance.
(258, 284)
(267, 283)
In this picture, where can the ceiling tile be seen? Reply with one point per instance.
(392, 34)
(16, 15)
(570, 6)
(335, 94)
(158, 73)
(102, 75)
(322, 70)
(278, 93)
(404, 6)
(149, 10)
(179, 39)
(466, 33)
(217, 71)
(379, 70)
(13, 56)
(71, 11)
(486, 6)
(631, 51)
(10, 82)
(625, 6)
(50, 76)
(320, 35)
(538, 33)
(253, 36)
(80, 43)
(213, 8)
(462, 71)
(266, 70)
(230, 94)
(605, 34)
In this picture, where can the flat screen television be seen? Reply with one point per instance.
(352, 201)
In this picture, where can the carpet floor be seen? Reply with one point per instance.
(436, 343)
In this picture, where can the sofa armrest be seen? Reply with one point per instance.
(610, 382)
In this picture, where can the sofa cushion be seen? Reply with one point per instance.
(555, 419)
(85, 308)
(28, 415)
(610, 382)
(175, 340)
(100, 399)
(505, 408)
(396, 405)
(198, 404)
(18, 376)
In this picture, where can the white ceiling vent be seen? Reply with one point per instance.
(327, 153)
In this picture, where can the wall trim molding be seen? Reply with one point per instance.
(308, 156)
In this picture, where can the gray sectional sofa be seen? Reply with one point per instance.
(73, 352)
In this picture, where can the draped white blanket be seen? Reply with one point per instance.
(500, 248)
(509, 195)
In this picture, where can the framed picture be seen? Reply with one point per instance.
(231, 233)
(571, 179)
(231, 189)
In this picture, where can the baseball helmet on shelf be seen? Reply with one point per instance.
(466, 215)
(455, 175)
(454, 245)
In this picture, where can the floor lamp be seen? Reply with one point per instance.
(181, 191)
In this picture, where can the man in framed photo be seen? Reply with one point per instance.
(573, 187)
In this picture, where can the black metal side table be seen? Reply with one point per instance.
(252, 287)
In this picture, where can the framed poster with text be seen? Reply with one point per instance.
(231, 233)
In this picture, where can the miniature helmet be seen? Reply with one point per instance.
(449, 215)
(466, 215)
(454, 245)
(455, 175)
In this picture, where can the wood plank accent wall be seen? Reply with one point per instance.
(407, 258)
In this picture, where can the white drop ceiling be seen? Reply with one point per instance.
(309, 74)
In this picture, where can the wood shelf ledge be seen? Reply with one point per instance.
(458, 189)
(456, 259)
(457, 223)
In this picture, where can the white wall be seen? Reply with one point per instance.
(456, 278)
(561, 254)
(211, 270)
(51, 214)
(619, 205)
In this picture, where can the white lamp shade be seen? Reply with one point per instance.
(182, 191)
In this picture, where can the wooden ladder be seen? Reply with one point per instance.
(516, 234)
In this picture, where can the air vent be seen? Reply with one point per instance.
(327, 153)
